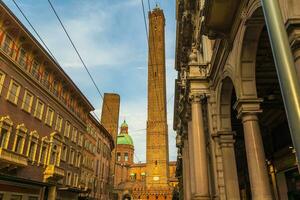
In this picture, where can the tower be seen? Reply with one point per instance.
(157, 128)
(110, 120)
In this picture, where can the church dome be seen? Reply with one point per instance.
(123, 137)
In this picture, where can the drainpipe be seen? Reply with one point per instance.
(286, 70)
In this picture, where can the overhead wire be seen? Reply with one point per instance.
(80, 57)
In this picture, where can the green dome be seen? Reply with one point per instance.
(124, 139)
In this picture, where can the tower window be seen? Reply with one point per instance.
(118, 157)
(126, 157)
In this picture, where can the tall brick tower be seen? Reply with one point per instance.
(157, 128)
(110, 120)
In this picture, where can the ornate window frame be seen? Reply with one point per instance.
(21, 131)
(44, 145)
(6, 123)
(33, 137)
(55, 148)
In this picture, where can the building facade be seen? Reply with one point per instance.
(43, 123)
(233, 135)
(131, 178)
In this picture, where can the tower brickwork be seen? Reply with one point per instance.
(110, 120)
(157, 128)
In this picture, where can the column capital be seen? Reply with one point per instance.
(197, 97)
(226, 138)
(247, 106)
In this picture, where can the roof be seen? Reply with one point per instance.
(124, 139)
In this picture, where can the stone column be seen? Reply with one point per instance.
(258, 174)
(199, 151)
(52, 193)
(226, 142)
(191, 156)
(186, 170)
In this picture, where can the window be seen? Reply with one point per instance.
(118, 157)
(5, 130)
(69, 178)
(2, 77)
(35, 70)
(78, 160)
(22, 58)
(44, 151)
(72, 156)
(58, 123)
(39, 109)
(45, 79)
(27, 101)
(74, 134)
(55, 148)
(126, 157)
(67, 129)
(13, 92)
(80, 142)
(143, 176)
(55, 87)
(7, 45)
(75, 182)
(19, 142)
(64, 152)
(133, 176)
(49, 116)
(32, 145)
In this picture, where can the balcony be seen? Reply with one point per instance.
(219, 17)
(12, 158)
(54, 172)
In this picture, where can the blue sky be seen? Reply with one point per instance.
(111, 38)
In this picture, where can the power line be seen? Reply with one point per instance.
(79, 56)
(149, 8)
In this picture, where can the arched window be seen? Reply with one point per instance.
(126, 157)
(5, 130)
(20, 137)
(32, 145)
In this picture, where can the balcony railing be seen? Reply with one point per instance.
(54, 172)
(13, 158)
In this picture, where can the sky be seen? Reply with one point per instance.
(110, 36)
